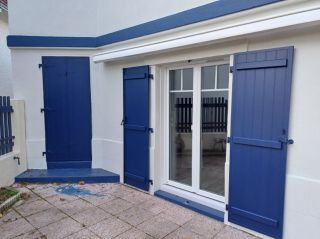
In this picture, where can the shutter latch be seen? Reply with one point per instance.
(286, 141)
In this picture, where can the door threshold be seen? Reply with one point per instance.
(194, 202)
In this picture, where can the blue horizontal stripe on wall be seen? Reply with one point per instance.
(195, 15)
(42, 41)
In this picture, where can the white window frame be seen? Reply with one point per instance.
(196, 127)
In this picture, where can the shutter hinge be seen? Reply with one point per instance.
(151, 181)
(44, 154)
(231, 69)
(151, 76)
(43, 110)
(227, 207)
(40, 66)
(151, 130)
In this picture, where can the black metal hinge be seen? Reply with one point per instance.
(231, 69)
(228, 140)
(151, 130)
(40, 66)
(227, 207)
(151, 182)
(44, 154)
(151, 76)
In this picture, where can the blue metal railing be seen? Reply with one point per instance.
(6, 138)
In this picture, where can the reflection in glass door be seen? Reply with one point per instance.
(181, 94)
(197, 150)
(214, 115)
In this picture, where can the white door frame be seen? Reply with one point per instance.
(196, 129)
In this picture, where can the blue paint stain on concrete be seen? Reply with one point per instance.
(72, 190)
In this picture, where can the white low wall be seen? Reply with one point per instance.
(9, 167)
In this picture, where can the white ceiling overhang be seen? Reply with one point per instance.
(210, 35)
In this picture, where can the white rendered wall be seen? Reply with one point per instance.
(28, 85)
(53, 18)
(116, 15)
(5, 57)
(88, 18)
(302, 210)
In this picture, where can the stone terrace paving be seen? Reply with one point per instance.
(93, 211)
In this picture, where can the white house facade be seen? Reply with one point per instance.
(5, 58)
(210, 104)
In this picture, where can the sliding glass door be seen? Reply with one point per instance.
(198, 113)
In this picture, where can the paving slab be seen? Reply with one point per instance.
(232, 233)
(91, 216)
(33, 207)
(155, 205)
(116, 206)
(60, 199)
(110, 228)
(135, 215)
(61, 229)
(134, 234)
(45, 190)
(9, 216)
(46, 217)
(99, 187)
(15, 228)
(137, 197)
(34, 234)
(83, 234)
(178, 215)
(121, 212)
(158, 227)
(30, 196)
(183, 233)
(75, 206)
(97, 200)
(204, 226)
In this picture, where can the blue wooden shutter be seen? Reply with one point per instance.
(67, 109)
(136, 126)
(259, 139)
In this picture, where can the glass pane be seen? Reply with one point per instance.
(188, 79)
(181, 137)
(208, 75)
(175, 79)
(214, 113)
(223, 77)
